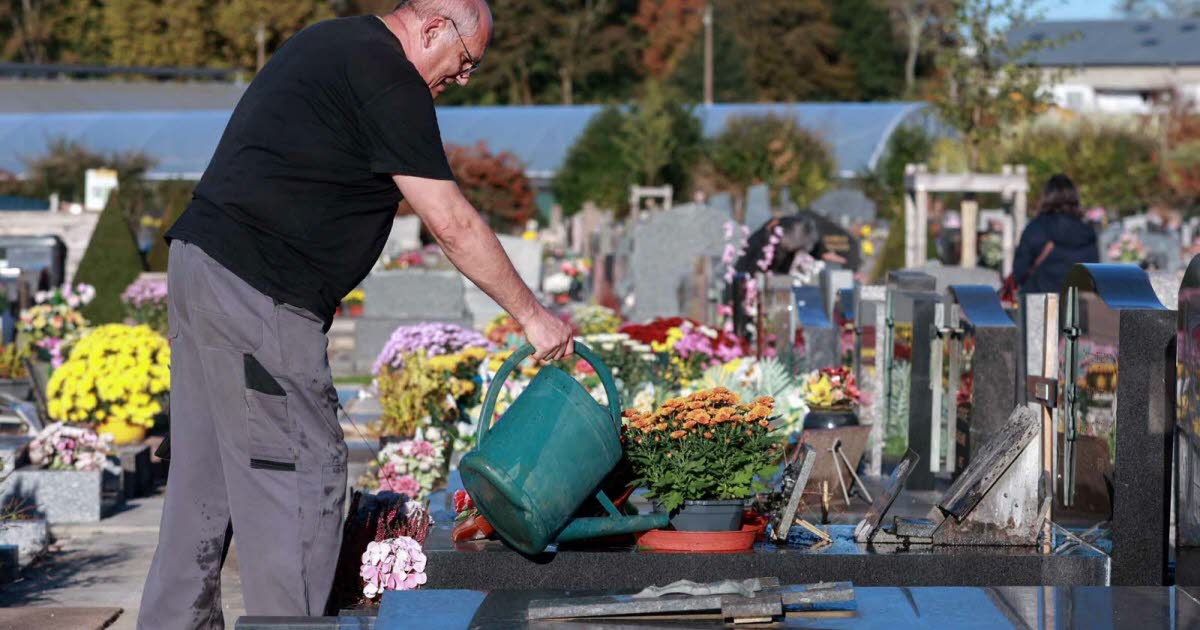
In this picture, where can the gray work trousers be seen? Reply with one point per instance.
(256, 453)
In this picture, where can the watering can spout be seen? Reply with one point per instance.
(550, 451)
(596, 527)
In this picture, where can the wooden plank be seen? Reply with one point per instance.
(991, 462)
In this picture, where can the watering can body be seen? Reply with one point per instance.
(546, 455)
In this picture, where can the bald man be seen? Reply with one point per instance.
(291, 214)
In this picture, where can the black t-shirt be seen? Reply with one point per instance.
(298, 200)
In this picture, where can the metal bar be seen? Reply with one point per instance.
(937, 356)
(1071, 389)
(861, 486)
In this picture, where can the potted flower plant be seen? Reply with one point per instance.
(353, 302)
(14, 379)
(116, 379)
(833, 397)
(145, 302)
(699, 457)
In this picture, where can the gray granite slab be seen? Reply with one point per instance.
(64, 496)
(758, 206)
(665, 248)
(415, 295)
(29, 537)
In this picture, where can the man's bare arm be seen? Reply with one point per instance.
(474, 249)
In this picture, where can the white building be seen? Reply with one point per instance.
(1118, 66)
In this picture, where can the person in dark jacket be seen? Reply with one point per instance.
(1058, 237)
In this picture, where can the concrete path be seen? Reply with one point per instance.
(105, 564)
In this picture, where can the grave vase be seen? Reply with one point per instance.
(830, 418)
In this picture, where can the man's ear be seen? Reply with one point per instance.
(429, 31)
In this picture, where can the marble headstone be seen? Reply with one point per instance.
(405, 236)
(758, 206)
(665, 248)
(723, 203)
(946, 276)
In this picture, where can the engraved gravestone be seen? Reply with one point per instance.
(665, 248)
(981, 379)
(758, 206)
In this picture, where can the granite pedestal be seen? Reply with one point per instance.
(136, 469)
(64, 496)
(29, 537)
(491, 565)
(882, 608)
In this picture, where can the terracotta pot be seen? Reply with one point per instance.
(356, 310)
(670, 541)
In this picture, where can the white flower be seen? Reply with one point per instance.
(371, 590)
(557, 283)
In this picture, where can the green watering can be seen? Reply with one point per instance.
(546, 456)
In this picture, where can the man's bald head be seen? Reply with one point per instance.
(444, 39)
(467, 14)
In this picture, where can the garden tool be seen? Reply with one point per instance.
(548, 453)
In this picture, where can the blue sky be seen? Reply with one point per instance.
(1078, 9)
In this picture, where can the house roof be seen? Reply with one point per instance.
(1114, 42)
(179, 124)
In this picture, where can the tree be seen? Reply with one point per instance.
(63, 168)
(730, 84)
(158, 34)
(670, 27)
(112, 260)
(985, 87)
(647, 140)
(583, 40)
(1156, 9)
(1114, 167)
(791, 51)
(916, 20)
(592, 170)
(241, 22)
(495, 184)
(866, 37)
(772, 150)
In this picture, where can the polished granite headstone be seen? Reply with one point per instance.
(1118, 393)
(491, 565)
(985, 393)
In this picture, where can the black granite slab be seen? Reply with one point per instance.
(492, 566)
(875, 608)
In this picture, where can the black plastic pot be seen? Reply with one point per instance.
(709, 516)
(830, 419)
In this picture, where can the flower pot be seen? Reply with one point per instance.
(122, 432)
(670, 541)
(724, 515)
(355, 310)
(830, 419)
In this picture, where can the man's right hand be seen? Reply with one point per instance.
(550, 336)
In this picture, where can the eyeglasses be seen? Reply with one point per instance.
(472, 60)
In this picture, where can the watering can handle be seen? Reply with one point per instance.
(489, 402)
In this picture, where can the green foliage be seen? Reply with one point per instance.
(63, 169)
(1114, 167)
(792, 51)
(986, 89)
(730, 84)
(692, 450)
(112, 260)
(773, 150)
(867, 38)
(610, 156)
(175, 198)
